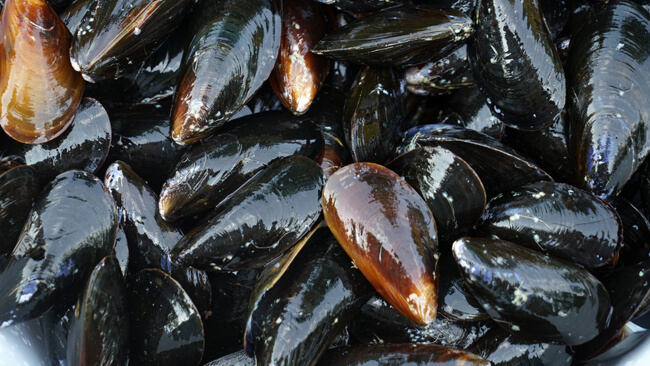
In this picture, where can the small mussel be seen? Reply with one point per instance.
(374, 111)
(608, 70)
(295, 321)
(70, 229)
(558, 219)
(113, 35)
(400, 354)
(531, 294)
(398, 36)
(241, 40)
(516, 65)
(390, 234)
(260, 221)
(99, 332)
(166, 328)
(40, 91)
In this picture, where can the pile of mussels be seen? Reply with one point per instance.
(332, 182)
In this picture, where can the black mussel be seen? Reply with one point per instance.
(379, 322)
(441, 76)
(70, 229)
(455, 300)
(238, 358)
(260, 221)
(400, 354)
(558, 219)
(40, 91)
(469, 106)
(608, 70)
(55, 325)
(295, 321)
(374, 111)
(556, 15)
(225, 322)
(404, 35)
(500, 168)
(166, 327)
(121, 250)
(263, 101)
(531, 294)
(83, 146)
(141, 140)
(216, 167)
(150, 238)
(241, 40)
(548, 147)
(299, 73)
(99, 332)
(516, 65)
(502, 348)
(18, 190)
(451, 188)
(73, 15)
(616, 347)
(389, 232)
(116, 34)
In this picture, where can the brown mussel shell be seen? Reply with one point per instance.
(166, 327)
(319, 293)
(400, 354)
(516, 65)
(261, 220)
(610, 87)
(84, 145)
(298, 73)
(18, 190)
(390, 234)
(238, 39)
(399, 36)
(558, 219)
(451, 188)
(70, 229)
(39, 90)
(374, 111)
(490, 159)
(532, 295)
(99, 332)
(216, 167)
(115, 34)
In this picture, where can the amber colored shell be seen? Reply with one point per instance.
(39, 90)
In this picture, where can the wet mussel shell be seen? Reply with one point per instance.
(113, 35)
(556, 218)
(19, 187)
(531, 294)
(40, 90)
(166, 327)
(400, 354)
(490, 159)
(451, 188)
(241, 39)
(99, 331)
(609, 114)
(260, 221)
(70, 229)
(83, 146)
(516, 64)
(441, 76)
(390, 234)
(319, 293)
(216, 167)
(374, 111)
(403, 35)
